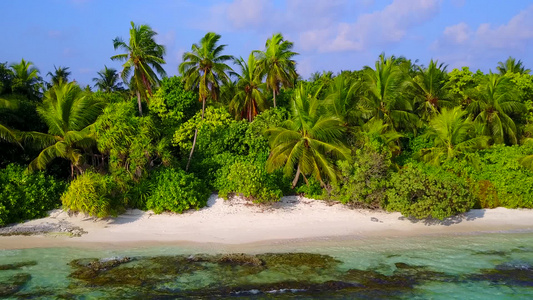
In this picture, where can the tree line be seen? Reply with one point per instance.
(397, 135)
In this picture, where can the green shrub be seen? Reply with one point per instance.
(423, 191)
(25, 196)
(363, 182)
(133, 144)
(248, 177)
(497, 178)
(93, 194)
(173, 104)
(137, 193)
(312, 189)
(175, 190)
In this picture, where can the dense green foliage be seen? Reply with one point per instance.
(248, 177)
(423, 191)
(130, 144)
(173, 104)
(363, 180)
(425, 141)
(497, 178)
(94, 194)
(26, 196)
(175, 190)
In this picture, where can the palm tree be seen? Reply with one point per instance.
(342, 98)
(68, 113)
(249, 98)
(108, 80)
(142, 56)
(277, 63)
(6, 78)
(453, 134)
(7, 134)
(26, 79)
(227, 92)
(511, 65)
(60, 74)
(383, 98)
(492, 107)
(204, 68)
(429, 88)
(377, 131)
(307, 141)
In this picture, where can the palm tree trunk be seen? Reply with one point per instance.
(274, 98)
(295, 180)
(195, 136)
(139, 103)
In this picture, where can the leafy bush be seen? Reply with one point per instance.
(137, 193)
(363, 182)
(215, 119)
(133, 144)
(423, 191)
(175, 190)
(254, 138)
(312, 189)
(93, 194)
(497, 178)
(248, 177)
(25, 196)
(173, 104)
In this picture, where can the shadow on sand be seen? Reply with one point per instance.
(468, 216)
(130, 216)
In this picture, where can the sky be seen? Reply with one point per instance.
(329, 35)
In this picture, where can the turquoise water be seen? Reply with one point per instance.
(476, 266)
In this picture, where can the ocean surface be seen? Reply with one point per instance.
(474, 266)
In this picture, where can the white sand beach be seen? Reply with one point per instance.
(237, 221)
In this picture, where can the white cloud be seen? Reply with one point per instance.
(167, 38)
(239, 14)
(457, 34)
(55, 34)
(384, 26)
(458, 3)
(248, 13)
(514, 36)
(86, 70)
(69, 52)
(325, 26)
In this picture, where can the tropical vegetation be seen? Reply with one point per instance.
(426, 141)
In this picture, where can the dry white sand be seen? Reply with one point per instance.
(237, 221)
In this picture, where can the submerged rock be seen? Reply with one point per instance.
(228, 275)
(513, 274)
(90, 268)
(14, 284)
(233, 258)
(18, 265)
(405, 277)
(311, 260)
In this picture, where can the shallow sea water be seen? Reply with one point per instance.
(473, 266)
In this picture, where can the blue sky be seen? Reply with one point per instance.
(329, 34)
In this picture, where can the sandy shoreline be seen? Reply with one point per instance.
(237, 222)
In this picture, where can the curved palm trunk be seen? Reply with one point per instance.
(195, 136)
(295, 180)
(139, 103)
